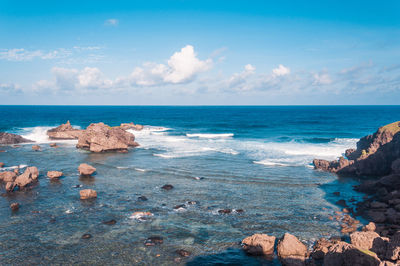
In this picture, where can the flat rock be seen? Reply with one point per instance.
(54, 174)
(64, 131)
(259, 244)
(88, 194)
(86, 169)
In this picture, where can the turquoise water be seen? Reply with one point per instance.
(253, 158)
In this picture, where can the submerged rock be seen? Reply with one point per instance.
(141, 215)
(8, 138)
(167, 187)
(14, 206)
(54, 174)
(1, 165)
(36, 148)
(259, 244)
(86, 169)
(183, 253)
(131, 125)
(110, 222)
(53, 145)
(88, 194)
(64, 131)
(142, 198)
(86, 236)
(102, 138)
(154, 240)
(225, 211)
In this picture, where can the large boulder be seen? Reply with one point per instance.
(376, 155)
(393, 248)
(54, 174)
(8, 138)
(291, 251)
(344, 254)
(30, 176)
(86, 169)
(7, 176)
(369, 241)
(64, 131)
(102, 138)
(259, 244)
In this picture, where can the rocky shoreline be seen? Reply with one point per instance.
(377, 158)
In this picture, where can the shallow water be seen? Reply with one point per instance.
(251, 158)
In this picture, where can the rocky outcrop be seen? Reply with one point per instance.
(86, 169)
(54, 174)
(376, 155)
(88, 194)
(346, 254)
(131, 125)
(29, 177)
(64, 132)
(259, 244)
(8, 138)
(102, 138)
(291, 251)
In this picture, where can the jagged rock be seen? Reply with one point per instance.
(393, 249)
(64, 131)
(8, 138)
(259, 244)
(8, 176)
(54, 174)
(131, 125)
(86, 169)
(376, 155)
(364, 240)
(345, 254)
(102, 138)
(28, 177)
(88, 194)
(291, 251)
(9, 186)
(321, 247)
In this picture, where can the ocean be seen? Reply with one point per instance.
(256, 159)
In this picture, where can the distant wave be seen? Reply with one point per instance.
(210, 136)
(271, 163)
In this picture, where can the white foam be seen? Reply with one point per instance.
(39, 135)
(210, 136)
(13, 167)
(140, 169)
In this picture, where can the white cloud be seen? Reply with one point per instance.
(111, 22)
(182, 67)
(9, 87)
(281, 70)
(239, 80)
(322, 78)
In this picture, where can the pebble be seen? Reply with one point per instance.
(86, 236)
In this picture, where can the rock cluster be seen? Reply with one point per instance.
(376, 155)
(8, 138)
(103, 138)
(64, 132)
(13, 180)
(131, 125)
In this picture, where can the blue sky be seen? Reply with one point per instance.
(199, 52)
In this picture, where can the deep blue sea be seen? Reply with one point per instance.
(253, 158)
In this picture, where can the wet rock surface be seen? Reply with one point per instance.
(259, 244)
(64, 132)
(8, 138)
(86, 169)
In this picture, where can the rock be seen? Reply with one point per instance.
(54, 174)
(351, 154)
(225, 211)
(179, 207)
(167, 187)
(192, 202)
(1, 165)
(8, 138)
(28, 177)
(86, 236)
(377, 217)
(371, 227)
(321, 247)
(259, 244)
(53, 145)
(64, 131)
(110, 222)
(393, 248)
(8, 176)
(183, 253)
(396, 166)
(88, 194)
(14, 206)
(291, 251)
(378, 205)
(36, 148)
(10, 186)
(346, 254)
(142, 198)
(86, 169)
(321, 164)
(141, 215)
(363, 240)
(153, 240)
(131, 125)
(341, 203)
(102, 138)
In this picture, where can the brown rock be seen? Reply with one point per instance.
(28, 177)
(64, 131)
(167, 187)
(86, 169)
(54, 174)
(183, 253)
(8, 176)
(36, 148)
(14, 206)
(88, 194)
(10, 186)
(321, 247)
(259, 244)
(1, 164)
(291, 251)
(53, 145)
(131, 125)
(371, 227)
(363, 240)
(102, 138)
(8, 138)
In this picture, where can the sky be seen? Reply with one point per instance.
(199, 52)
